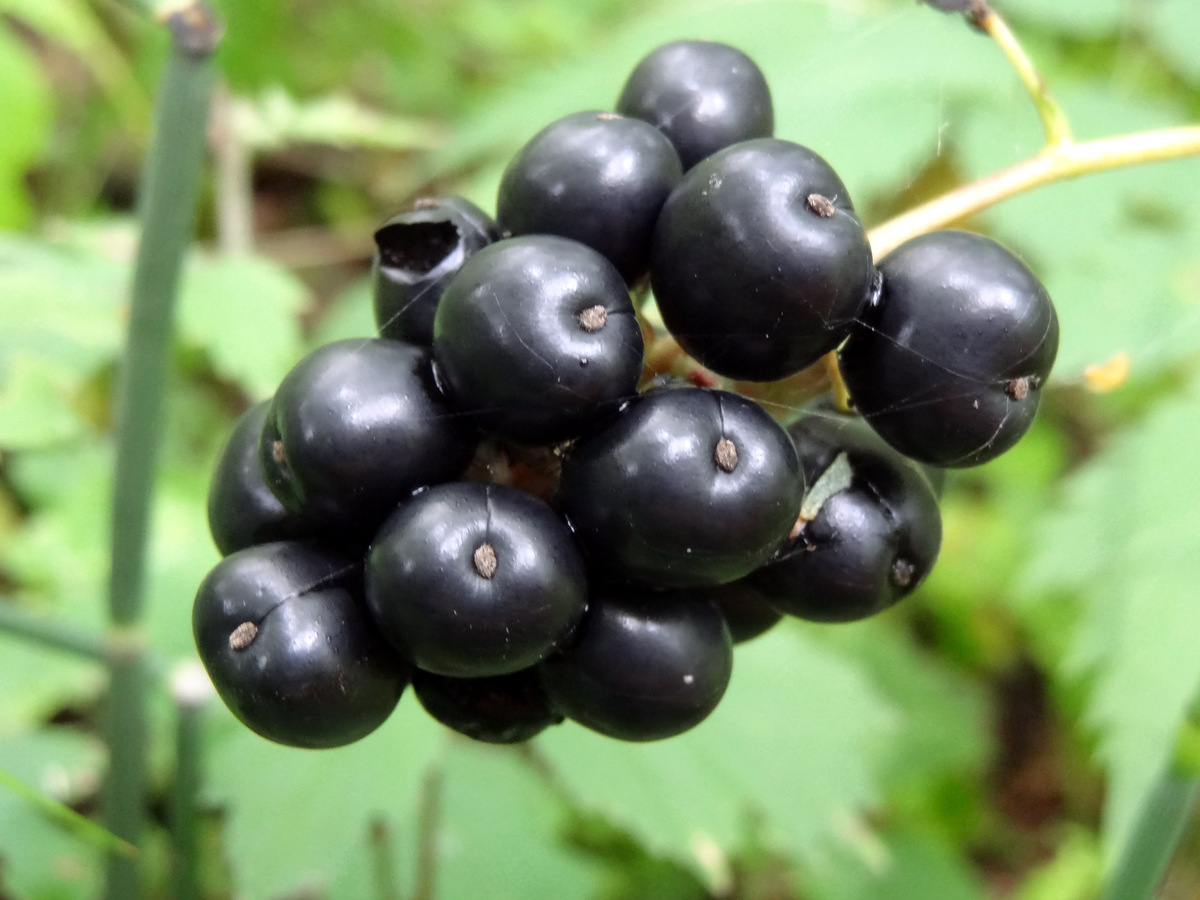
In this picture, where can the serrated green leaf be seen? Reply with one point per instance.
(1123, 537)
(794, 740)
(300, 818)
(244, 312)
(1175, 29)
(1118, 251)
(500, 832)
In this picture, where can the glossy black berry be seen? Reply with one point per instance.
(417, 252)
(503, 709)
(357, 426)
(537, 337)
(242, 510)
(747, 612)
(948, 364)
(702, 95)
(759, 263)
(595, 177)
(684, 487)
(284, 636)
(821, 432)
(643, 666)
(868, 533)
(470, 580)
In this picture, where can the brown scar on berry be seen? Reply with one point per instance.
(726, 455)
(277, 452)
(485, 560)
(903, 572)
(821, 205)
(243, 636)
(593, 318)
(1019, 388)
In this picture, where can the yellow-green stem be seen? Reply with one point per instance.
(1053, 164)
(1054, 120)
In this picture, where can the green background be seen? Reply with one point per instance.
(993, 736)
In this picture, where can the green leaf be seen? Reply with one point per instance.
(276, 120)
(350, 315)
(1118, 251)
(25, 110)
(793, 741)
(36, 404)
(1079, 18)
(40, 857)
(244, 312)
(74, 25)
(1175, 29)
(59, 321)
(1123, 537)
(942, 722)
(300, 819)
(490, 792)
(906, 867)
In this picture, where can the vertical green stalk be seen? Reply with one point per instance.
(169, 190)
(1165, 814)
(191, 690)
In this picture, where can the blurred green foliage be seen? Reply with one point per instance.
(993, 737)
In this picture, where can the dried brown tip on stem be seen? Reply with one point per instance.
(726, 455)
(821, 205)
(485, 560)
(593, 318)
(1019, 388)
(903, 572)
(243, 636)
(797, 527)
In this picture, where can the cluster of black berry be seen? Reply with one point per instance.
(497, 502)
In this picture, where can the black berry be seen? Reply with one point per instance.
(417, 253)
(702, 95)
(759, 263)
(868, 533)
(537, 337)
(357, 426)
(502, 709)
(242, 510)
(643, 666)
(597, 178)
(948, 364)
(684, 487)
(470, 580)
(282, 631)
